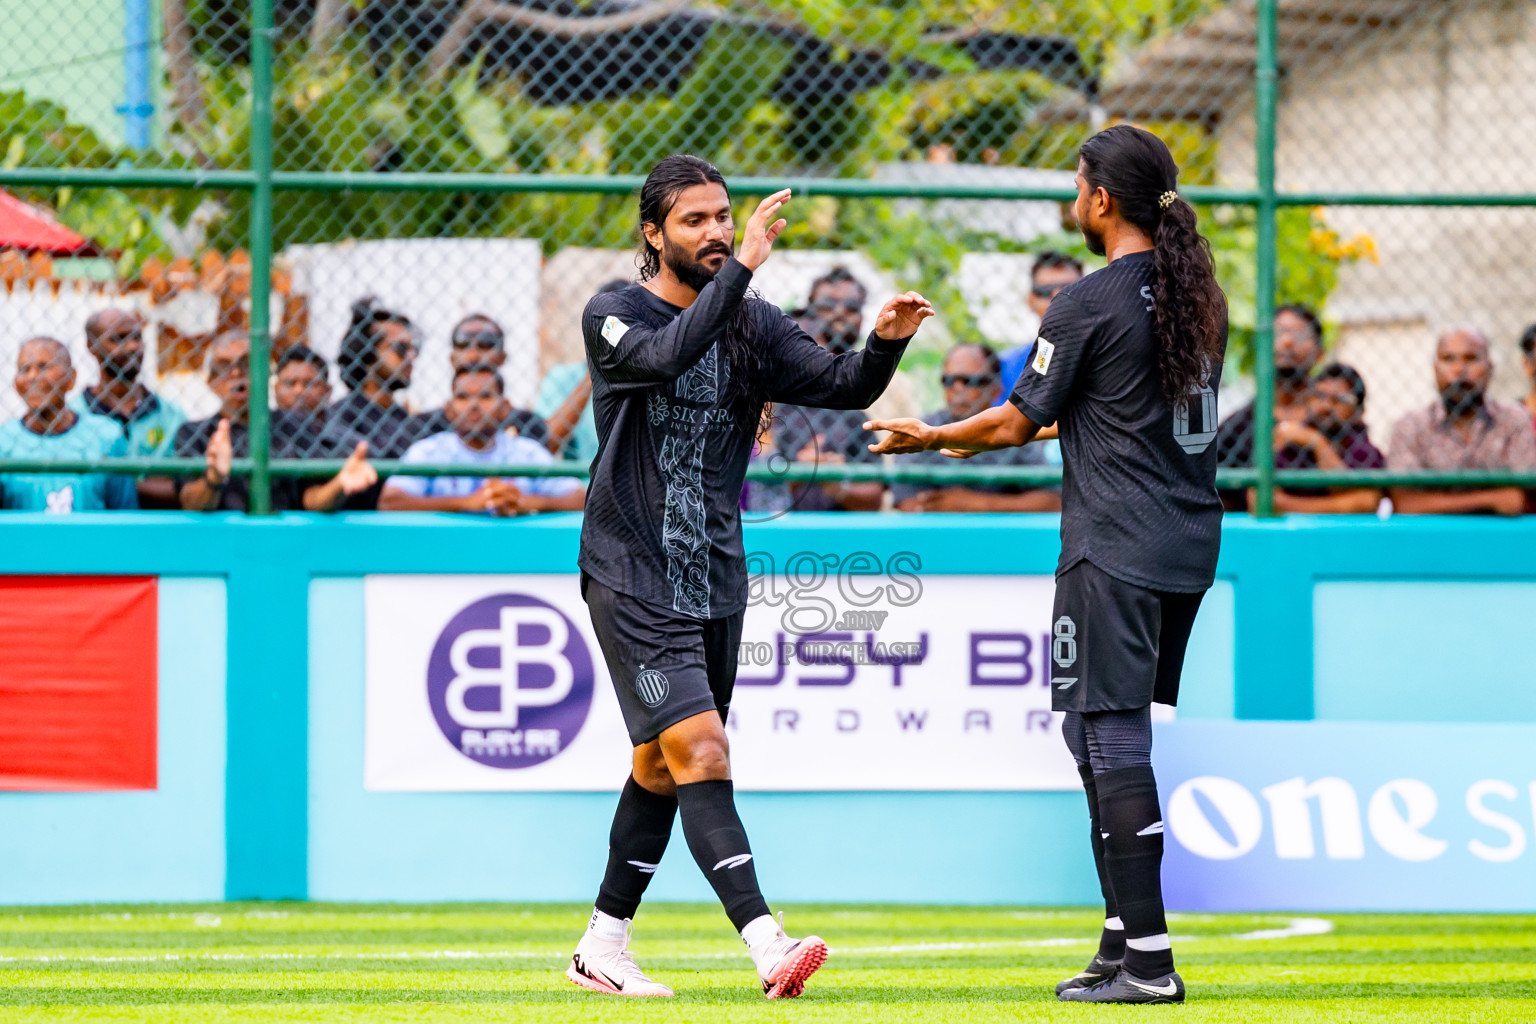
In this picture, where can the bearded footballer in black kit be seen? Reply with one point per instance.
(682, 366)
(1125, 365)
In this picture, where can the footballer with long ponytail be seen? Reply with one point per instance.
(1125, 367)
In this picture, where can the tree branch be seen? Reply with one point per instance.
(474, 13)
(330, 18)
(181, 66)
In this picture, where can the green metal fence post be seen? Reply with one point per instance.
(261, 253)
(1265, 86)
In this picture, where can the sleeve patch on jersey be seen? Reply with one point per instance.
(614, 329)
(1043, 352)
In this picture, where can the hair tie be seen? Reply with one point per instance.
(1166, 199)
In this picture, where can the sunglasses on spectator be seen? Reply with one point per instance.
(828, 305)
(970, 380)
(1047, 291)
(122, 336)
(485, 341)
(403, 349)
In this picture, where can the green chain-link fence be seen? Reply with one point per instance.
(349, 184)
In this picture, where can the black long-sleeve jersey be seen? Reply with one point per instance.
(663, 513)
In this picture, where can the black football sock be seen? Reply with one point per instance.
(1133, 852)
(642, 824)
(1112, 938)
(719, 844)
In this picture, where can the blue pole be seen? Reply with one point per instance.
(138, 101)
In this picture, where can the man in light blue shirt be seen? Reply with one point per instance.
(51, 431)
(565, 402)
(477, 412)
(1050, 273)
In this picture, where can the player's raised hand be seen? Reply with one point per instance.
(764, 226)
(900, 317)
(906, 436)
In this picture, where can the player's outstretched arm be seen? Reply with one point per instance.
(1002, 426)
(804, 373)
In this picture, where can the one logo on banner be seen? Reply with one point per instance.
(510, 681)
(651, 686)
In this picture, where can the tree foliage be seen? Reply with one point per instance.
(368, 100)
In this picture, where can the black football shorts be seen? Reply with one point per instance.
(1116, 646)
(666, 666)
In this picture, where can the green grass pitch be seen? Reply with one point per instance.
(889, 965)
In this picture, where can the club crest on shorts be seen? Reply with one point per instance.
(651, 687)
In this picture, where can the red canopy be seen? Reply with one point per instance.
(23, 226)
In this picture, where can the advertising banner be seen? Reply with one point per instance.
(78, 678)
(1347, 816)
(853, 675)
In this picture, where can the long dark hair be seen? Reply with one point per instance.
(359, 347)
(1188, 307)
(746, 388)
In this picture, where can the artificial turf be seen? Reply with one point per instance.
(889, 965)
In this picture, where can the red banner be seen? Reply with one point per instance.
(78, 682)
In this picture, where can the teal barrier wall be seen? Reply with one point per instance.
(1343, 617)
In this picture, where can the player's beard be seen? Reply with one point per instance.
(1094, 240)
(690, 268)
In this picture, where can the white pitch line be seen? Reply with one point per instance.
(942, 947)
(1299, 926)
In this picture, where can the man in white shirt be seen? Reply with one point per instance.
(476, 413)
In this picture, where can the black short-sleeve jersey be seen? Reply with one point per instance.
(1139, 474)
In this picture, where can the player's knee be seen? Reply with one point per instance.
(651, 772)
(705, 758)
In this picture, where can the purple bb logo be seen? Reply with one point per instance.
(510, 681)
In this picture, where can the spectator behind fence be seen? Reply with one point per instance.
(825, 436)
(1331, 437)
(377, 357)
(972, 378)
(226, 436)
(834, 316)
(302, 384)
(830, 437)
(477, 340)
(1464, 430)
(1298, 350)
(115, 339)
(51, 431)
(478, 413)
(565, 402)
(1528, 356)
(1049, 274)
